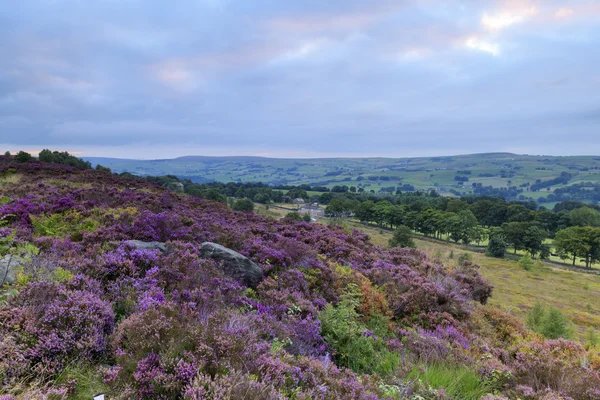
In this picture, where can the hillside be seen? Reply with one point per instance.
(119, 286)
(498, 170)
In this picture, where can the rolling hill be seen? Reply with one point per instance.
(448, 175)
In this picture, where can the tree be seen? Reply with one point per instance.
(403, 237)
(366, 211)
(462, 226)
(514, 233)
(497, 244)
(382, 211)
(103, 169)
(579, 241)
(396, 215)
(243, 205)
(7, 154)
(262, 198)
(584, 216)
(23, 157)
(339, 208)
(533, 239)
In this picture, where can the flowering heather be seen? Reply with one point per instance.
(335, 317)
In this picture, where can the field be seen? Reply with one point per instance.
(516, 291)
(492, 169)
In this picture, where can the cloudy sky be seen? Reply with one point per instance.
(153, 79)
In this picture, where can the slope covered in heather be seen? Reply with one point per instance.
(334, 317)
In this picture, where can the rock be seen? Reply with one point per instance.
(234, 264)
(8, 269)
(138, 244)
(176, 187)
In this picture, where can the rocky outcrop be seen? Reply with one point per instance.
(8, 269)
(176, 187)
(234, 264)
(138, 244)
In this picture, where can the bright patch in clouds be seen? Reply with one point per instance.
(476, 43)
(564, 13)
(502, 20)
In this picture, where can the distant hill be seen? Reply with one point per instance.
(450, 175)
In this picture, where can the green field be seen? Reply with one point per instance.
(430, 173)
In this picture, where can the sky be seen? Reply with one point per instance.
(308, 78)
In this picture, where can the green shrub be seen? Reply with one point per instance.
(403, 237)
(591, 338)
(23, 156)
(293, 215)
(497, 245)
(550, 323)
(526, 262)
(458, 382)
(243, 205)
(68, 224)
(358, 346)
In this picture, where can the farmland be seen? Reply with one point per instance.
(498, 170)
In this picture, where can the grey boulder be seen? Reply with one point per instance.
(138, 244)
(234, 264)
(8, 269)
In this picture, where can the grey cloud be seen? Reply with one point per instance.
(316, 77)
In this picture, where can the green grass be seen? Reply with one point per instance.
(88, 381)
(459, 382)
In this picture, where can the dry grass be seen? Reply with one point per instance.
(10, 178)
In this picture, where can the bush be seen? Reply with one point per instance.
(357, 347)
(496, 246)
(23, 157)
(550, 323)
(526, 262)
(243, 205)
(403, 237)
(294, 216)
(52, 326)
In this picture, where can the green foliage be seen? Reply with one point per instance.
(550, 323)
(403, 237)
(578, 241)
(497, 244)
(293, 215)
(459, 382)
(62, 225)
(62, 275)
(64, 158)
(23, 157)
(88, 381)
(592, 338)
(243, 205)
(103, 169)
(526, 262)
(359, 348)
(306, 217)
